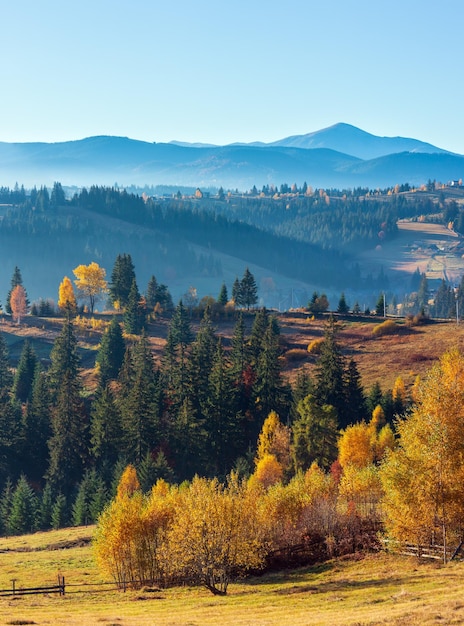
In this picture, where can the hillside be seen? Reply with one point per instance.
(408, 353)
(379, 589)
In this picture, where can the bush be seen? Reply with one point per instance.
(296, 354)
(388, 327)
(315, 346)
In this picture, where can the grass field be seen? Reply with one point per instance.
(378, 589)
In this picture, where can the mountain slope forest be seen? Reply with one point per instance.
(296, 239)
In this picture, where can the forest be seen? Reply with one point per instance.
(215, 416)
(305, 235)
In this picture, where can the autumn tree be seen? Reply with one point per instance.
(18, 303)
(90, 282)
(16, 280)
(423, 476)
(66, 298)
(215, 534)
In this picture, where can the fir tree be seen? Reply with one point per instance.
(330, 373)
(151, 293)
(141, 407)
(223, 297)
(22, 518)
(37, 428)
(6, 377)
(105, 428)
(59, 516)
(343, 307)
(134, 314)
(248, 290)
(22, 385)
(111, 353)
(237, 293)
(122, 277)
(356, 409)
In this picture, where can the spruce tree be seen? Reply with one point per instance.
(134, 313)
(22, 518)
(122, 277)
(223, 297)
(140, 408)
(356, 408)
(330, 372)
(68, 443)
(22, 385)
(343, 307)
(105, 428)
(59, 516)
(6, 377)
(37, 428)
(248, 289)
(151, 293)
(111, 352)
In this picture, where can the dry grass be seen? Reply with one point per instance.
(377, 590)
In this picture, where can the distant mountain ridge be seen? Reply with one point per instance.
(339, 156)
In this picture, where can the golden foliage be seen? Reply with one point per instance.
(66, 297)
(423, 477)
(90, 282)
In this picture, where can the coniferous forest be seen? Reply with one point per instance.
(211, 407)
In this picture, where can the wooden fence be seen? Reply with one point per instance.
(21, 591)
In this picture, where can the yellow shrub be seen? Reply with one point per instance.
(314, 347)
(388, 327)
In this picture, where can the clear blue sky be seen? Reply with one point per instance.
(220, 71)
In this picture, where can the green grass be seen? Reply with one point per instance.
(379, 589)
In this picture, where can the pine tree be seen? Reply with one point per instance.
(140, 408)
(111, 352)
(22, 518)
(134, 314)
(59, 516)
(105, 428)
(237, 293)
(151, 293)
(64, 357)
(122, 277)
(343, 307)
(5, 505)
(6, 377)
(248, 289)
(22, 385)
(314, 435)
(223, 297)
(356, 409)
(68, 443)
(330, 373)
(37, 428)
(44, 513)
(223, 422)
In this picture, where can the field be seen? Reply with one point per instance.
(379, 589)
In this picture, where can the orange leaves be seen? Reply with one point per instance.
(18, 303)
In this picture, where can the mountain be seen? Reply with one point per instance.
(356, 142)
(327, 158)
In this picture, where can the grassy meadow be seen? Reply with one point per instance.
(377, 589)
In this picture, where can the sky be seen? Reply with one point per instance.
(221, 71)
